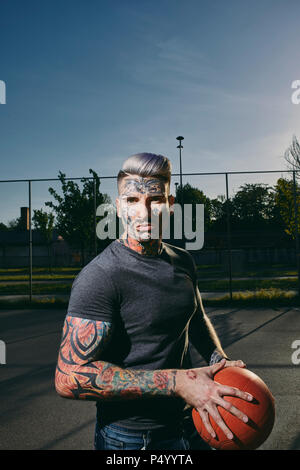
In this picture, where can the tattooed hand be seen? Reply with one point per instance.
(198, 389)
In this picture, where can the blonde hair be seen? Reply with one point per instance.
(146, 164)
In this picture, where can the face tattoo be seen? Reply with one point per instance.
(143, 201)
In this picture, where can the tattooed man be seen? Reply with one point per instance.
(131, 313)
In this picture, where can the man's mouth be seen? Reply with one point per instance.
(143, 227)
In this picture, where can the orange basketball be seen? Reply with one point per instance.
(260, 412)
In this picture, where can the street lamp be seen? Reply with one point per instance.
(180, 138)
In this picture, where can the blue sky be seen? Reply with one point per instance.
(91, 82)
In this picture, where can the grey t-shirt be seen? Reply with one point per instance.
(149, 300)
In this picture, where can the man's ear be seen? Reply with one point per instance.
(118, 207)
(171, 200)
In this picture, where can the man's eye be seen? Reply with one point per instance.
(131, 200)
(157, 199)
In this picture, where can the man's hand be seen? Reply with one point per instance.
(238, 363)
(198, 389)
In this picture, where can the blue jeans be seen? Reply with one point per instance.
(114, 437)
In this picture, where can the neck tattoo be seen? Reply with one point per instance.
(147, 248)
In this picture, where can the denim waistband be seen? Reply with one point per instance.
(163, 432)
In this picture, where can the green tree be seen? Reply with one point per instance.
(252, 206)
(14, 224)
(44, 222)
(284, 196)
(218, 212)
(191, 195)
(75, 212)
(3, 226)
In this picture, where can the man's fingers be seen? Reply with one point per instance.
(232, 409)
(238, 363)
(213, 411)
(218, 366)
(204, 416)
(234, 392)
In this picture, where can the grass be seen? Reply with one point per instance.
(253, 270)
(220, 285)
(40, 274)
(266, 273)
(39, 277)
(216, 271)
(271, 298)
(47, 302)
(250, 292)
(259, 298)
(23, 289)
(249, 284)
(202, 273)
(40, 270)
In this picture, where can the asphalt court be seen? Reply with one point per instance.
(33, 416)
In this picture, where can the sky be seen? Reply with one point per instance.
(90, 82)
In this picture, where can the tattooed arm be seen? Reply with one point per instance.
(80, 374)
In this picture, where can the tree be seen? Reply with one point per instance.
(292, 155)
(252, 206)
(3, 226)
(218, 212)
(44, 222)
(284, 196)
(14, 224)
(75, 211)
(191, 195)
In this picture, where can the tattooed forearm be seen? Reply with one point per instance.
(80, 375)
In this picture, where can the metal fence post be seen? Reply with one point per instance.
(228, 238)
(30, 242)
(296, 228)
(95, 222)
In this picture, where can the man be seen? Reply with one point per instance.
(132, 310)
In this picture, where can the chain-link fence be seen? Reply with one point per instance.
(251, 231)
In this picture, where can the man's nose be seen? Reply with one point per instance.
(145, 210)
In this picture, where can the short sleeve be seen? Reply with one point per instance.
(93, 295)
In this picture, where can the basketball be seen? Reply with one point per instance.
(260, 412)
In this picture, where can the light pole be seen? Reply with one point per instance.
(180, 139)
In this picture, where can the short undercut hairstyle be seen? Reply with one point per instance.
(146, 165)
